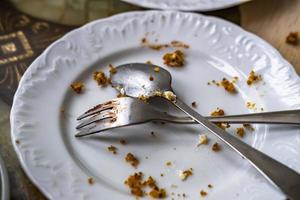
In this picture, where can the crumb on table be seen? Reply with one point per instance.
(77, 87)
(174, 59)
(292, 38)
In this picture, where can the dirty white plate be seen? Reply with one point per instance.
(187, 5)
(59, 164)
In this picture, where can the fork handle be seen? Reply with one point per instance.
(280, 175)
(277, 117)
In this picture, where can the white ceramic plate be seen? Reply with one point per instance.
(187, 5)
(60, 164)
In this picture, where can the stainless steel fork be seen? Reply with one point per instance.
(128, 111)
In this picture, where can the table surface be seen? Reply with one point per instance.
(268, 19)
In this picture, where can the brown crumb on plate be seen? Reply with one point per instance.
(253, 78)
(251, 105)
(122, 141)
(203, 193)
(17, 141)
(240, 131)
(194, 104)
(151, 78)
(91, 180)
(130, 158)
(174, 59)
(112, 69)
(77, 87)
(169, 163)
(292, 38)
(248, 127)
(216, 147)
(100, 78)
(112, 149)
(210, 186)
(184, 174)
(228, 86)
(223, 125)
(217, 112)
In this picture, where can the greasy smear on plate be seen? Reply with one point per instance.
(77, 87)
(157, 46)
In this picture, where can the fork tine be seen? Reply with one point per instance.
(96, 128)
(96, 109)
(96, 118)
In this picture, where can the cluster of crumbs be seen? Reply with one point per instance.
(131, 159)
(137, 186)
(112, 149)
(174, 59)
(77, 87)
(240, 132)
(292, 38)
(253, 78)
(218, 112)
(100, 78)
(202, 139)
(216, 147)
(184, 174)
(228, 86)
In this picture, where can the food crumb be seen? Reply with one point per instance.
(228, 86)
(130, 158)
(248, 126)
(134, 182)
(209, 186)
(122, 141)
(169, 95)
(240, 132)
(158, 193)
(153, 134)
(223, 125)
(161, 174)
(156, 69)
(77, 87)
(217, 112)
(292, 38)
(194, 104)
(143, 98)
(184, 174)
(202, 139)
(112, 69)
(253, 78)
(203, 193)
(251, 105)
(62, 110)
(169, 163)
(216, 147)
(100, 78)
(112, 149)
(174, 59)
(151, 78)
(17, 141)
(91, 180)
(178, 44)
(149, 62)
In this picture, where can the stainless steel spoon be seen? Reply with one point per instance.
(134, 80)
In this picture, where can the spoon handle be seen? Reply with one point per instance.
(282, 176)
